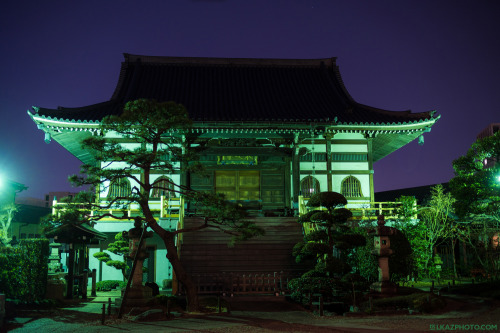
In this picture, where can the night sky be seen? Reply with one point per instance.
(419, 55)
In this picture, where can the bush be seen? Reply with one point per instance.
(110, 284)
(304, 287)
(9, 261)
(24, 270)
(167, 283)
(486, 289)
(422, 302)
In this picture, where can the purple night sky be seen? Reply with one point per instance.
(419, 55)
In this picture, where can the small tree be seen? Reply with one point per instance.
(6, 217)
(435, 226)
(119, 247)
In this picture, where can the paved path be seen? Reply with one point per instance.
(271, 317)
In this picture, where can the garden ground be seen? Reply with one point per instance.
(265, 314)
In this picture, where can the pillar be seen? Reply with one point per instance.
(370, 167)
(296, 170)
(328, 139)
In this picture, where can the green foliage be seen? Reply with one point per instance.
(120, 265)
(71, 215)
(10, 259)
(331, 234)
(476, 186)
(329, 200)
(487, 289)
(119, 247)
(167, 283)
(415, 233)
(401, 264)
(422, 302)
(407, 209)
(365, 262)
(302, 288)
(173, 302)
(102, 256)
(435, 225)
(333, 266)
(110, 285)
(24, 270)
(7, 212)
(362, 259)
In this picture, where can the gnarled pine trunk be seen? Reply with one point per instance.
(180, 272)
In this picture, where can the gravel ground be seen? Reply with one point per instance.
(268, 317)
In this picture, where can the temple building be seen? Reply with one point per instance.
(274, 131)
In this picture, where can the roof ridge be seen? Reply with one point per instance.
(329, 62)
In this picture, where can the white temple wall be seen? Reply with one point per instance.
(349, 148)
(350, 166)
(162, 267)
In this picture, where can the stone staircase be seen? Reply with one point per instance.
(206, 251)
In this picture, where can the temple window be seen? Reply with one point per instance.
(163, 186)
(119, 188)
(309, 186)
(351, 187)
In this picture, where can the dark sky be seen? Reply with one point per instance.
(420, 55)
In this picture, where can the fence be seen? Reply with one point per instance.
(165, 207)
(241, 283)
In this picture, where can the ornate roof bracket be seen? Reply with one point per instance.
(47, 137)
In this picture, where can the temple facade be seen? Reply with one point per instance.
(271, 132)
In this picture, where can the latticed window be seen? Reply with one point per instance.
(351, 187)
(120, 188)
(163, 186)
(309, 186)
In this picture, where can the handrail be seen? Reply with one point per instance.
(167, 207)
(368, 210)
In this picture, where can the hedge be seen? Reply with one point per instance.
(24, 269)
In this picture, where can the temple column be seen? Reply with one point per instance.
(328, 139)
(296, 170)
(370, 166)
(185, 179)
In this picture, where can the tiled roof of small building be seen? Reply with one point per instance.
(242, 90)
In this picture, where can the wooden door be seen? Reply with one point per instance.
(238, 185)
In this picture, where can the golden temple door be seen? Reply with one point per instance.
(238, 185)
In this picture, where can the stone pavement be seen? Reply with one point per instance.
(253, 317)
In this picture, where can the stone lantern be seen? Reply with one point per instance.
(383, 251)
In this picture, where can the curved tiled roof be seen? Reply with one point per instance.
(242, 90)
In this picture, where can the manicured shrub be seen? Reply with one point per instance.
(329, 237)
(167, 283)
(304, 287)
(422, 302)
(24, 270)
(110, 284)
(10, 259)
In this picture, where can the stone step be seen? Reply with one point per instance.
(206, 251)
